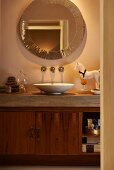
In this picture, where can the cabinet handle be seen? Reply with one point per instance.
(32, 132)
(37, 133)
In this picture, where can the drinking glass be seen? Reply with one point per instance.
(83, 82)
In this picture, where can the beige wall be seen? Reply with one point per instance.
(12, 58)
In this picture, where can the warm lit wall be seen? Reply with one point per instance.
(12, 58)
(91, 13)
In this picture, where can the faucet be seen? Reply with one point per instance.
(43, 70)
(61, 70)
(52, 69)
(52, 73)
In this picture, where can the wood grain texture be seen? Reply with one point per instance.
(51, 160)
(107, 80)
(15, 133)
(44, 136)
(59, 133)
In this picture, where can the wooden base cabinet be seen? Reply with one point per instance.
(15, 133)
(43, 136)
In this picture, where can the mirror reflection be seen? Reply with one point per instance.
(48, 37)
(52, 29)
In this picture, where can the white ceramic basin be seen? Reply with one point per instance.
(54, 88)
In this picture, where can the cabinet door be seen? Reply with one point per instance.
(58, 133)
(16, 132)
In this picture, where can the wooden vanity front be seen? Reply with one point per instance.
(45, 129)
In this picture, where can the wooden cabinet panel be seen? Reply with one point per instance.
(58, 133)
(43, 136)
(73, 133)
(15, 132)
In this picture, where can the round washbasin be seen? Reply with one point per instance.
(54, 88)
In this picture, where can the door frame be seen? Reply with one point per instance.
(107, 83)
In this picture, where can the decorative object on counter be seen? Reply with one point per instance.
(83, 82)
(61, 71)
(84, 74)
(43, 71)
(95, 91)
(8, 89)
(2, 89)
(12, 85)
(82, 86)
(22, 82)
(52, 74)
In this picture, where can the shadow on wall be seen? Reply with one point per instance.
(49, 168)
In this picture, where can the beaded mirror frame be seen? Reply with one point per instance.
(53, 11)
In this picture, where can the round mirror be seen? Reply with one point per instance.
(53, 31)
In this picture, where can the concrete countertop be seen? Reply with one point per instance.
(43, 100)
